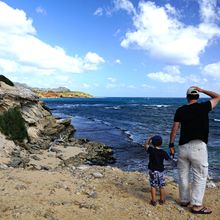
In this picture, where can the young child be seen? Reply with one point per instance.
(156, 167)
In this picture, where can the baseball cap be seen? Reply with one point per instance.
(156, 140)
(192, 91)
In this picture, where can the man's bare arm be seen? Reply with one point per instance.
(215, 96)
(174, 130)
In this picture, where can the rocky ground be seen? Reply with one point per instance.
(90, 192)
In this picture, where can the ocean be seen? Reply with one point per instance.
(125, 124)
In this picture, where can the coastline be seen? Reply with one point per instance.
(52, 175)
(112, 120)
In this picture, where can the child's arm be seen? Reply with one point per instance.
(147, 143)
(167, 155)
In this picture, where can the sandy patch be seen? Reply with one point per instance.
(82, 194)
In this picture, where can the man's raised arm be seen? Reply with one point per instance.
(215, 96)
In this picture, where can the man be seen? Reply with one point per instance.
(193, 121)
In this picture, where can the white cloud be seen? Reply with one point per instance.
(212, 70)
(21, 50)
(209, 11)
(170, 74)
(8, 65)
(14, 21)
(124, 5)
(170, 9)
(147, 86)
(94, 58)
(118, 61)
(166, 77)
(98, 12)
(105, 10)
(158, 31)
(111, 79)
(41, 10)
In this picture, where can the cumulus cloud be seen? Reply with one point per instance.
(22, 50)
(159, 31)
(93, 58)
(170, 74)
(212, 70)
(209, 11)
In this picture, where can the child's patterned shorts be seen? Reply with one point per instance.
(156, 179)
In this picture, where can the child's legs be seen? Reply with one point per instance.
(162, 194)
(153, 183)
(161, 181)
(153, 193)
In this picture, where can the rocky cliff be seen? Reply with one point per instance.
(48, 139)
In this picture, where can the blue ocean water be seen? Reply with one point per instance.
(125, 123)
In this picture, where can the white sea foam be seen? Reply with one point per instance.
(128, 133)
(158, 106)
(216, 119)
(70, 105)
(113, 107)
(99, 121)
(80, 105)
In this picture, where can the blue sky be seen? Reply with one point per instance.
(112, 48)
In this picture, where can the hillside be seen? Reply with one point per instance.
(60, 92)
(64, 94)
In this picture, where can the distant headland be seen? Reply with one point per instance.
(60, 92)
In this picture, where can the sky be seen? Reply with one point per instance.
(112, 48)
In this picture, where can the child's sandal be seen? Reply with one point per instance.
(153, 203)
(161, 202)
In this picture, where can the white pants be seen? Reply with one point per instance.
(193, 155)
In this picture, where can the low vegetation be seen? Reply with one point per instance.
(6, 80)
(12, 124)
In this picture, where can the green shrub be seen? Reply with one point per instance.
(6, 80)
(12, 125)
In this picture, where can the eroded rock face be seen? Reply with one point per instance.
(41, 126)
(6, 149)
(50, 141)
